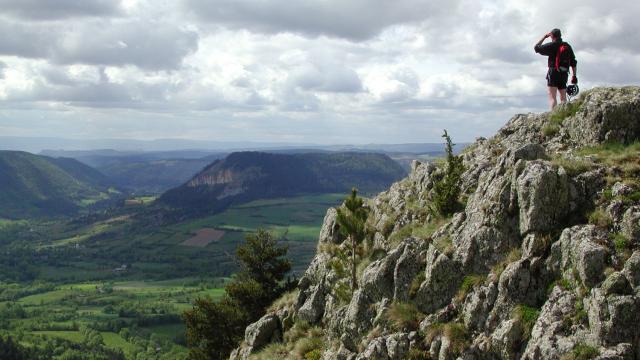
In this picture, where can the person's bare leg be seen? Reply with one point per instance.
(563, 96)
(552, 96)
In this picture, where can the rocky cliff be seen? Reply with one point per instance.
(541, 262)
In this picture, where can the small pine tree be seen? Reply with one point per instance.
(447, 189)
(351, 220)
(215, 328)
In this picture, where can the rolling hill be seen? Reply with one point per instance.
(245, 176)
(143, 172)
(36, 186)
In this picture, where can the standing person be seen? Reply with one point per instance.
(561, 58)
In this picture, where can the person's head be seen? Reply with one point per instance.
(555, 34)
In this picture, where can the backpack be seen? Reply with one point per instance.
(564, 57)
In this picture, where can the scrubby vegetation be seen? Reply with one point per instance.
(352, 218)
(447, 189)
(214, 328)
(527, 317)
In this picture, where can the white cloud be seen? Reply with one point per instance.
(319, 71)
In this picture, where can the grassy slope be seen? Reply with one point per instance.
(35, 185)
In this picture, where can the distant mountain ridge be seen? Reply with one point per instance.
(34, 185)
(245, 176)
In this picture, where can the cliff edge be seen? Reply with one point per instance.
(541, 262)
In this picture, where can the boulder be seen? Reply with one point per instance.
(631, 224)
(616, 283)
(543, 197)
(613, 319)
(632, 269)
(606, 115)
(397, 346)
(506, 339)
(313, 307)
(262, 332)
(580, 246)
(549, 338)
(442, 280)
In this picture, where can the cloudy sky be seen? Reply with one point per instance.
(304, 71)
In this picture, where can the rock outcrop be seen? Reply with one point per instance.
(542, 262)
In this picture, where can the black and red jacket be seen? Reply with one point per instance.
(551, 50)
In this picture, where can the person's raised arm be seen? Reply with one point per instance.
(539, 43)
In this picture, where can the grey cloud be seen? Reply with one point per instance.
(355, 20)
(2, 67)
(146, 44)
(26, 41)
(55, 85)
(327, 79)
(59, 9)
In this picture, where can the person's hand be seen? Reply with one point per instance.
(547, 35)
(574, 79)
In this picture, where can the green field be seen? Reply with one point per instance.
(129, 281)
(129, 315)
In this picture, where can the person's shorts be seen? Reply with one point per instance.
(557, 79)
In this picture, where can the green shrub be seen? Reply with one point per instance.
(404, 316)
(527, 317)
(550, 130)
(458, 336)
(307, 345)
(446, 190)
(600, 218)
(315, 354)
(620, 242)
(582, 352)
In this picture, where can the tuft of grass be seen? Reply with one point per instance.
(527, 317)
(574, 166)
(343, 292)
(404, 316)
(600, 218)
(307, 345)
(514, 255)
(315, 354)
(415, 284)
(566, 110)
(582, 351)
(272, 351)
(456, 333)
(444, 245)
(620, 242)
(287, 299)
(563, 283)
(468, 283)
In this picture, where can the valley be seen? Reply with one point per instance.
(131, 283)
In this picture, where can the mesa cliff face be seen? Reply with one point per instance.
(542, 262)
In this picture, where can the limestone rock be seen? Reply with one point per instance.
(614, 319)
(263, 332)
(631, 224)
(616, 283)
(632, 269)
(543, 197)
(548, 336)
(607, 114)
(441, 282)
(580, 246)
(507, 338)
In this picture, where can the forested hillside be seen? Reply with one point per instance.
(245, 176)
(35, 186)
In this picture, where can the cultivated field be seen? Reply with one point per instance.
(203, 237)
